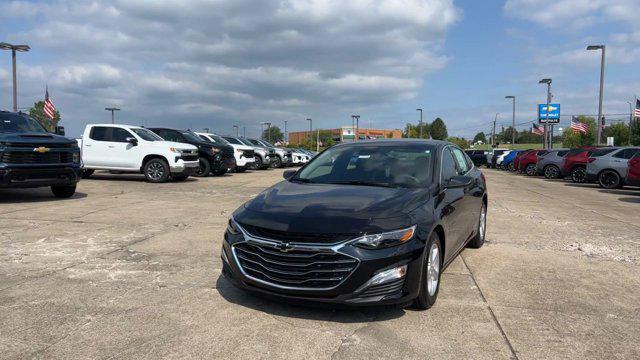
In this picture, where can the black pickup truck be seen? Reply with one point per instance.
(31, 157)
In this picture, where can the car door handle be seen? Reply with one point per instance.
(88, 145)
(111, 146)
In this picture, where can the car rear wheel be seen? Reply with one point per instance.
(511, 167)
(481, 230)
(156, 171)
(579, 175)
(551, 172)
(609, 179)
(430, 280)
(530, 170)
(277, 163)
(63, 192)
(241, 169)
(204, 167)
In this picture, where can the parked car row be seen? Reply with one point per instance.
(609, 167)
(30, 156)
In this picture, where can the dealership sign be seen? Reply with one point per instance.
(549, 116)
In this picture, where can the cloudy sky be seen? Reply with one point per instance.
(219, 63)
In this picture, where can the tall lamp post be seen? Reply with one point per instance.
(546, 130)
(112, 109)
(14, 48)
(355, 119)
(602, 64)
(286, 137)
(236, 127)
(420, 123)
(513, 119)
(310, 132)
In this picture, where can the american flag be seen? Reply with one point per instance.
(636, 112)
(577, 126)
(538, 130)
(49, 108)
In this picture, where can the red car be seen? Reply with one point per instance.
(575, 164)
(528, 160)
(633, 174)
(516, 160)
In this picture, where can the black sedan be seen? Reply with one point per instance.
(365, 223)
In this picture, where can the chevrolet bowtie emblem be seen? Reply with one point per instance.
(284, 247)
(41, 149)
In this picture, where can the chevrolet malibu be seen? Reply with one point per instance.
(365, 223)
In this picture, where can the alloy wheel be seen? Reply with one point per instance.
(551, 172)
(531, 170)
(155, 171)
(609, 179)
(482, 227)
(433, 269)
(578, 175)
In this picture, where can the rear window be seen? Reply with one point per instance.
(600, 152)
(542, 152)
(575, 152)
(562, 152)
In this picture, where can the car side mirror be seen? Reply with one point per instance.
(459, 181)
(59, 130)
(288, 174)
(133, 141)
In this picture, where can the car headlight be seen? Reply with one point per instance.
(384, 240)
(233, 227)
(175, 150)
(76, 158)
(215, 150)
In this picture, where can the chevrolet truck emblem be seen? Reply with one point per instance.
(41, 149)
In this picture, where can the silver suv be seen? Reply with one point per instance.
(550, 163)
(608, 166)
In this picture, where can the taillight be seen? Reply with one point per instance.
(634, 161)
(591, 159)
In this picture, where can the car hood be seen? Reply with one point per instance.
(35, 138)
(241, 147)
(327, 208)
(171, 144)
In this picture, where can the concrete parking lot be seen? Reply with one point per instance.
(127, 269)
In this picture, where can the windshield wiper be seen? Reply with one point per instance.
(361, 182)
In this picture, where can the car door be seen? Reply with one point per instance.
(451, 203)
(125, 155)
(95, 150)
(620, 160)
(470, 205)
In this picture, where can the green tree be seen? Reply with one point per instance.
(37, 112)
(438, 129)
(619, 132)
(527, 137)
(635, 132)
(413, 131)
(462, 142)
(480, 137)
(507, 135)
(276, 134)
(577, 139)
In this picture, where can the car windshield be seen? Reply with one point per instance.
(266, 143)
(246, 142)
(217, 139)
(146, 134)
(192, 136)
(601, 152)
(406, 165)
(232, 140)
(20, 123)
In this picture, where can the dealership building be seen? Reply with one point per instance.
(346, 134)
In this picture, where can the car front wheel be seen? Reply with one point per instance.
(551, 172)
(609, 179)
(579, 175)
(430, 280)
(156, 171)
(63, 192)
(204, 167)
(530, 170)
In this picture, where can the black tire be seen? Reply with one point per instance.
(551, 172)
(204, 167)
(86, 173)
(609, 179)
(179, 177)
(63, 192)
(427, 298)
(156, 170)
(481, 229)
(511, 167)
(258, 163)
(277, 163)
(241, 169)
(579, 175)
(220, 172)
(530, 170)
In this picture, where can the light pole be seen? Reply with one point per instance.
(112, 109)
(602, 64)
(631, 105)
(244, 131)
(546, 131)
(310, 132)
(286, 137)
(354, 126)
(236, 127)
(14, 48)
(513, 119)
(493, 133)
(268, 130)
(420, 123)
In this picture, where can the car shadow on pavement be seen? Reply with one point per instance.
(14, 196)
(583, 185)
(635, 200)
(305, 310)
(129, 177)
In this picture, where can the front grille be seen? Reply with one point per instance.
(272, 152)
(24, 157)
(227, 152)
(247, 154)
(309, 269)
(286, 236)
(189, 157)
(36, 145)
(386, 289)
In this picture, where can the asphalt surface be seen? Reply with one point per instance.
(127, 269)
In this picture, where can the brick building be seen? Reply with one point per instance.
(345, 134)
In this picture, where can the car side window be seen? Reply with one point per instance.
(100, 133)
(120, 135)
(172, 136)
(461, 161)
(626, 153)
(449, 168)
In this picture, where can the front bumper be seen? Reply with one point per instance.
(242, 161)
(185, 168)
(28, 177)
(350, 290)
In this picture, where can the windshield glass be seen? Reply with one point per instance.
(255, 142)
(246, 142)
(232, 140)
(216, 139)
(265, 143)
(20, 123)
(409, 165)
(147, 135)
(192, 136)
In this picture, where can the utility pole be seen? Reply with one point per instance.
(513, 119)
(236, 127)
(420, 124)
(310, 132)
(355, 119)
(602, 65)
(14, 48)
(546, 123)
(244, 131)
(286, 136)
(317, 140)
(112, 109)
(631, 108)
(493, 133)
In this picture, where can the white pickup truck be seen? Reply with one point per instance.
(126, 148)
